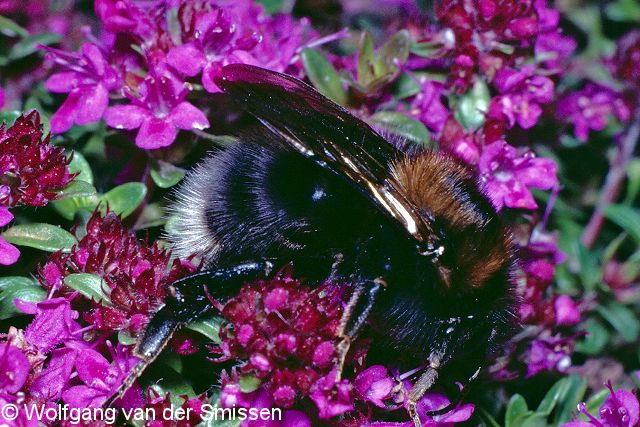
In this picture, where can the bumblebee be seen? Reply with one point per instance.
(429, 260)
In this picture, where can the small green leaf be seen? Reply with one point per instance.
(516, 411)
(633, 186)
(30, 44)
(595, 401)
(365, 59)
(473, 105)
(80, 165)
(393, 53)
(17, 287)
(324, 77)
(125, 338)
(9, 117)
(622, 319)
(551, 398)
(208, 327)
(11, 29)
(69, 207)
(534, 420)
(402, 125)
(249, 383)
(90, 285)
(623, 10)
(425, 49)
(166, 175)
(125, 198)
(76, 188)
(41, 236)
(406, 86)
(574, 392)
(596, 339)
(626, 217)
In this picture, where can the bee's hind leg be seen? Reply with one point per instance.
(424, 383)
(187, 300)
(354, 317)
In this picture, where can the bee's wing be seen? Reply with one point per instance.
(329, 135)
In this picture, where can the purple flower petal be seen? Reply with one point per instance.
(14, 368)
(156, 133)
(53, 324)
(94, 101)
(126, 116)
(187, 117)
(187, 59)
(93, 369)
(82, 396)
(49, 383)
(62, 82)
(63, 119)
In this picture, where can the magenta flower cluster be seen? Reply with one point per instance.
(139, 72)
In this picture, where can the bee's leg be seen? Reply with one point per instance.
(354, 317)
(188, 299)
(424, 383)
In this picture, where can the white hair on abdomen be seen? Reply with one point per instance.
(189, 232)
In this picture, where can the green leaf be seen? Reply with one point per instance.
(573, 395)
(550, 399)
(406, 86)
(249, 383)
(402, 125)
(69, 207)
(17, 287)
(596, 339)
(170, 381)
(516, 411)
(623, 10)
(41, 236)
(425, 49)
(473, 105)
(393, 53)
(365, 59)
(11, 29)
(80, 165)
(622, 319)
(626, 217)
(9, 117)
(595, 401)
(125, 198)
(324, 77)
(76, 188)
(30, 44)
(166, 175)
(633, 186)
(534, 420)
(125, 338)
(208, 327)
(90, 285)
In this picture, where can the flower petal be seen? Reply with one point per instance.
(187, 117)
(94, 101)
(9, 254)
(62, 82)
(156, 133)
(126, 116)
(187, 59)
(63, 119)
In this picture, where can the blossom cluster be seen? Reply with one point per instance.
(140, 71)
(32, 172)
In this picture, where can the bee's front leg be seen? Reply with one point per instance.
(424, 383)
(187, 300)
(355, 316)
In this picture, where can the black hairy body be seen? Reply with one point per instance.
(250, 201)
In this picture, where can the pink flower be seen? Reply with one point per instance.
(50, 382)
(31, 169)
(591, 108)
(566, 311)
(375, 385)
(14, 368)
(332, 397)
(427, 106)
(507, 177)
(9, 254)
(433, 402)
(88, 78)
(620, 409)
(549, 354)
(159, 112)
(100, 378)
(53, 322)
